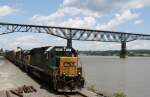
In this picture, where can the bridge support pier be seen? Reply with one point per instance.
(123, 52)
(69, 43)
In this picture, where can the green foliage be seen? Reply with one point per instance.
(91, 88)
(2, 53)
(119, 94)
(1, 50)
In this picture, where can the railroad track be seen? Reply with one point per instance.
(72, 95)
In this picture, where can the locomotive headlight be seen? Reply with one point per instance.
(79, 73)
(64, 73)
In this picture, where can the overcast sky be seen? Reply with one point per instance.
(117, 15)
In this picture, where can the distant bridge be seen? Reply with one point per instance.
(76, 34)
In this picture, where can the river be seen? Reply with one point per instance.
(112, 74)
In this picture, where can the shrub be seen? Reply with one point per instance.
(119, 94)
(91, 88)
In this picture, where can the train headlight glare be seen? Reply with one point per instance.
(79, 73)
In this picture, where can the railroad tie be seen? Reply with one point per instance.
(7, 94)
(3, 94)
(16, 93)
(33, 89)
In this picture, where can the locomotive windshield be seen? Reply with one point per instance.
(65, 52)
(69, 64)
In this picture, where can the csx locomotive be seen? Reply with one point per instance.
(57, 65)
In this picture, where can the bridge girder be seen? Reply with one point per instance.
(76, 34)
(73, 33)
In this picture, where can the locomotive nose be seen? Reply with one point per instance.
(70, 74)
(68, 66)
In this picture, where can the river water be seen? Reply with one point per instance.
(112, 74)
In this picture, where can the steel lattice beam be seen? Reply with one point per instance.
(73, 33)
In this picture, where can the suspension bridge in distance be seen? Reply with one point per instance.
(80, 34)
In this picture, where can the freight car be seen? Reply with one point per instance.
(58, 65)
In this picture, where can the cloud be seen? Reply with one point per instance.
(64, 15)
(85, 22)
(87, 13)
(67, 2)
(139, 44)
(88, 20)
(118, 20)
(138, 22)
(107, 6)
(6, 10)
(29, 40)
(93, 45)
(54, 17)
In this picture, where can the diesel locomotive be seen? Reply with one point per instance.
(57, 65)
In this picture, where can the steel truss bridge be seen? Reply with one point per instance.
(76, 34)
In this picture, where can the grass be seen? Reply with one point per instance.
(119, 94)
(91, 88)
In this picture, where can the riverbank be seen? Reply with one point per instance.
(144, 53)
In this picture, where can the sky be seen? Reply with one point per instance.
(116, 15)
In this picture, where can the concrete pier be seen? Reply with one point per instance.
(123, 52)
